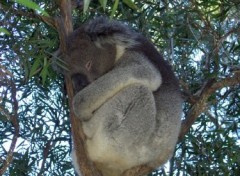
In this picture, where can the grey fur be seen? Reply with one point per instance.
(131, 108)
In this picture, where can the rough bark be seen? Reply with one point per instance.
(64, 27)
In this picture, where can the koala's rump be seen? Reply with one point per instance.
(124, 123)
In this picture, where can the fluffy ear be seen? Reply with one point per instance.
(102, 26)
(102, 30)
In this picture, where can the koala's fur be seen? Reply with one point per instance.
(126, 96)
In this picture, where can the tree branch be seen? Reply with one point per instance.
(201, 105)
(14, 121)
(64, 27)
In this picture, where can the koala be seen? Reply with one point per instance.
(126, 96)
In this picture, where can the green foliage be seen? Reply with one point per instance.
(103, 4)
(3, 30)
(199, 38)
(32, 5)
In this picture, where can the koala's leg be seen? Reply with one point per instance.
(123, 126)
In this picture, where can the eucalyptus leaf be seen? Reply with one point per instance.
(32, 5)
(115, 6)
(86, 5)
(103, 4)
(35, 67)
(5, 31)
(130, 4)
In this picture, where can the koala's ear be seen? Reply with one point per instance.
(103, 27)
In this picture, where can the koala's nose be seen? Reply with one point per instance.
(79, 81)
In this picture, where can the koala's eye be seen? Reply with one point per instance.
(88, 65)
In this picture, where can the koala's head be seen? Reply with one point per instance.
(93, 48)
(86, 60)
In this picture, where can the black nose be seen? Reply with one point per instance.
(79, 81)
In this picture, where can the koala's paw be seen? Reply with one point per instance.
(81, 110)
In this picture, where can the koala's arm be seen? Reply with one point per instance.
(136, 71)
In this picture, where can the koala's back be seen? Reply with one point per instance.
(125, 127)
(168, 123)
